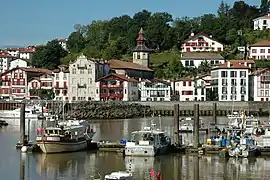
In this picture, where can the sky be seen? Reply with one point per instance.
(29, 22)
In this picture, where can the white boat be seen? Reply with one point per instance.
(250, 125)
(31, 112)
(119, 175)
(68, 136)
(235, 114)
(148, 142)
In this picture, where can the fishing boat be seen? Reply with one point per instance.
(243, 151)
(187, 125)
(149, 141)
(68, 136)
(119, 175)
(31, 112)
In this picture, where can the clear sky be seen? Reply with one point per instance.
(26, 22)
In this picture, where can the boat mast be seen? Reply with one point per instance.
(63, 110)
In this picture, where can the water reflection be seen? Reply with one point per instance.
(83, 165)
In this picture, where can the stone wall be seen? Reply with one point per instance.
(207, 105)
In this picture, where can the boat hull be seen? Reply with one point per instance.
(147, 151)
(12, 115)
(59, 147)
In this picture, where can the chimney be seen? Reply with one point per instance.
(228, 64)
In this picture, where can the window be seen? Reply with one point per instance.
(233, 82)
(65, 76)
(233, 74)
(224, 73)
(264, 22)
(242, 82)
(254, 50)
(89, 70)
(90, 80)
(262, 93)
(242, 73)
(138, 56)
(262, 50)
(233, 90)
(224, 82)
(57, 76)
(243, 90)
(189, 83)
(202, 91)
(81, 71)
(224, 90)
(74, 71)
(184, 83)
(266, 92)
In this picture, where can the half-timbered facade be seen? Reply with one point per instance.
(116, 87)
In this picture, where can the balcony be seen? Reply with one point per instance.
(111, 96)
(111, 86)
(81, 85)
(81, 67)
(199, 85)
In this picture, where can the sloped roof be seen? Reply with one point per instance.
(260, 71)
(263, 43)
(266, 16)
(231, 65)
(118, 64)
(249, 61)
(120, 76)
(31, 70)
(201, 34)
(201, 56)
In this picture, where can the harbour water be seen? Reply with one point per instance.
(82, 165)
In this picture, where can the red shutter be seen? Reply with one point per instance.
(65, 84)
(184, 83)
(189, 83)
(57, 84)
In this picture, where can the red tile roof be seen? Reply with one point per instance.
(249, 61)
(118, 64)
(260, 71)
(231, 65)
(5, 55)
(201, 34)
(266, 16)
(120, 76)
(31, 70)
(263, 43)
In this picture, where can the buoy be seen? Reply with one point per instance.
(24, 149)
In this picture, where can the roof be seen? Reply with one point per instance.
(266, 16)
(156, 80)
(201, 34)
(118, 64)
(6, 55)
(231, 65)
(187, 78)
(260, 71)
(31, 70)
(249, 61)
(263, 43)
(141, 47)
(120, 76)
(202, 56)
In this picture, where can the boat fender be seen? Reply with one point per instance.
(24, 149)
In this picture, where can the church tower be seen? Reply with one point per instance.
(141, 52)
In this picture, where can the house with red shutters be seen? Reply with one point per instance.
(60, 82)
(201, 42)
(17, 82)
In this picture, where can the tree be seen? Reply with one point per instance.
(47, 94)
(49, 56)
(76, 42)
(264, 7)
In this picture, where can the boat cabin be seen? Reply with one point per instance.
(149, 137)
(119, 175)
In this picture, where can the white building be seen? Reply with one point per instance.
(13, 51)
(60, 82)
(260, 85)
(116, 87)
(202, 84)
(27, 53)
(201, 42)
(260, 50)
(17, 63)
(83, 74)
(63, 43)
(5, 60)
(184, 88)
(155, 90)
(262, 22)
(194, 59)
(230, 82)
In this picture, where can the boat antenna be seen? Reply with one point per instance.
(159, 118)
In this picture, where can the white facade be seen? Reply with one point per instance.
(201, 43)
(117, 87)
(13, 51)
(260, 50)
(83, 74)
(259, 85)
(5, 62)
(199, 89)
(185, 89)
(155, 90)
(230, 82)
(25, 55)
(195, 63)
(60, 83)
(17, 63)
(262, 22)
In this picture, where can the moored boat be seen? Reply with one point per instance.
(119, 175)
(68, 136)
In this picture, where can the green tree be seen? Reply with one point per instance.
(43, 93)
(76, 42)
(264, 7)
(49, 56)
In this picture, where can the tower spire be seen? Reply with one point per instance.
(141, 47)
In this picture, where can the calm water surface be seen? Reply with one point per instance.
(83, 165)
